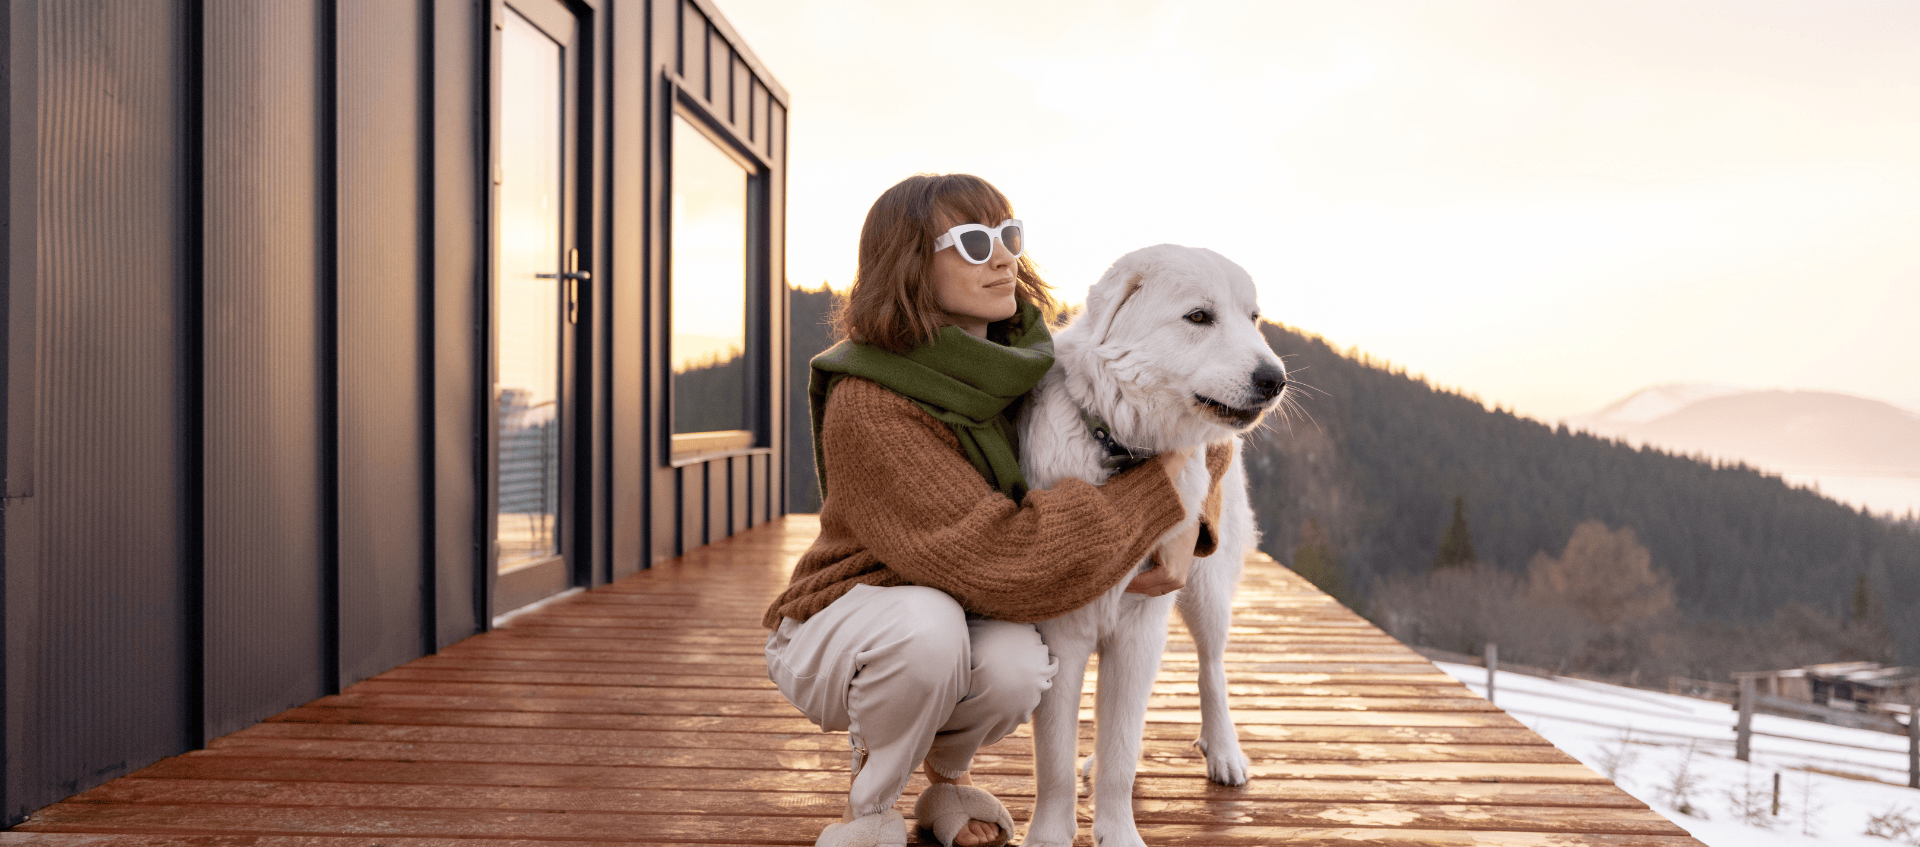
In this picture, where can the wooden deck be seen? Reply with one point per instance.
(641, 713)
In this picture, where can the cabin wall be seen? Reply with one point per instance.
(247, 406)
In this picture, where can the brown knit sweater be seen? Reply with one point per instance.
(907, 508)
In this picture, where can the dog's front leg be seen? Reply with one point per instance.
(1206, 606)
(1056, 737)
(1129, 662)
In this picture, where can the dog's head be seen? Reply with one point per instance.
(1173, 334)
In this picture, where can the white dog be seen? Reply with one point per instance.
(1168, 354)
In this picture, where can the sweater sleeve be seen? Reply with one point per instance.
(916, 503)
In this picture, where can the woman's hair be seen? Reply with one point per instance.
(894, 304)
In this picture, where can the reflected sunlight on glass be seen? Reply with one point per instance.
(709, 284)
(527, 309)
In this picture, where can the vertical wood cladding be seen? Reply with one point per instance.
(718, 499)
(265, 578)
(100, 627)
(458, 243)
(383, 517)
(633, 88)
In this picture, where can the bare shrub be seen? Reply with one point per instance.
(1895, 824)
(1617, 757)
(1682, 782)
(1752, 805)
(1810, 806)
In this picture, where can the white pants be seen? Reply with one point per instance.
(910, 679)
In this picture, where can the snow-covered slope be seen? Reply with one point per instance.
(1676, 754)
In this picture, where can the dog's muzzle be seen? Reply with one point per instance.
(1231, 415)
(1265, 383)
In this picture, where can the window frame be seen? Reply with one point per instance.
(683, 449)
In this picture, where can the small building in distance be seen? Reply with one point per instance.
(1864, 686)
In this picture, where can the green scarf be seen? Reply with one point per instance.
(968, 383)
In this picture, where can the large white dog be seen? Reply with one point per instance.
(1167, 354)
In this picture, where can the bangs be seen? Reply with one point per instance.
(962, 198)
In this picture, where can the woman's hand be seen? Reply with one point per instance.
(1174, 461)
(1172, 559)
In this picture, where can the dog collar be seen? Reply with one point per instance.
(1119, 456)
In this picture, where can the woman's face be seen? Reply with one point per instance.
(976, 295)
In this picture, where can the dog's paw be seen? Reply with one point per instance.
(1226, 764)
(1039, 836)
(1116, 834)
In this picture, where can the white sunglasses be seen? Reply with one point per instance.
(976, 240)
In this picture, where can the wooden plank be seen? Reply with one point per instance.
(400, 716)
(569, 825)
(1277, 811)
(468, 776)
(1411, 761)
(1156, 746)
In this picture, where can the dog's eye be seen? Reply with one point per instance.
(1200, 316)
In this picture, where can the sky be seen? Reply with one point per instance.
(1547, 205)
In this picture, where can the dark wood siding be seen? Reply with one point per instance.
(383, 543)
(460, 251)
(266, 570)
(631, 502)
(97, 567)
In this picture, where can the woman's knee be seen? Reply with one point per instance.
(1011, 667)
(924, 628)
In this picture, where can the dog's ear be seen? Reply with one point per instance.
(1110, 310)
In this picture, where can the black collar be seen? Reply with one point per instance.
(1119, 456)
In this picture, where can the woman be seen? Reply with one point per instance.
(908, 623)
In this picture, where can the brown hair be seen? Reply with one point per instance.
(893, 304)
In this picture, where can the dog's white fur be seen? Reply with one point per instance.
(1138, 360)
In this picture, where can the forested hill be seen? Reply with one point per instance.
(1377, 457)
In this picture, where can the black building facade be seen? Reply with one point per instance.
(335, 328)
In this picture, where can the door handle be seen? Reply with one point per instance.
(574, 276)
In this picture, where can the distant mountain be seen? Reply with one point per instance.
(1375, 458)
(1659, 401)
(1862, 451)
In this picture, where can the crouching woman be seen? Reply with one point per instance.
(908, 624)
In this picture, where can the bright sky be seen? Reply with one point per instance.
(1549, 205)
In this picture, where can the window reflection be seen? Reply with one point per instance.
(527, 311)
(709, 285)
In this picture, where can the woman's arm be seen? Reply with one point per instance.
(906, 492)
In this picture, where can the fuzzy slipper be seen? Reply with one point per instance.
(944, 809)
(882, 829)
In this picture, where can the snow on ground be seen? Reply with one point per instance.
(1676, 754)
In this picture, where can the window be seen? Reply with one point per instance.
(709, 342)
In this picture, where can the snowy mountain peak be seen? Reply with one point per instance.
(1650, 404)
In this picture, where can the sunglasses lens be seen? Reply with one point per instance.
(1014, 239)
(977, 246)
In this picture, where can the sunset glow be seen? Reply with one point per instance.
(1546, 205)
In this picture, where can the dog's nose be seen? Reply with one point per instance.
(1268, 381)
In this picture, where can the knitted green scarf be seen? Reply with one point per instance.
(966, 382)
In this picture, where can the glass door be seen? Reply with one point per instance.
(535, 302)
